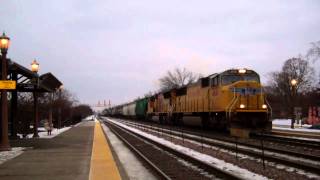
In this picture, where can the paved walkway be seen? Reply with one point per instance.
(65, 157)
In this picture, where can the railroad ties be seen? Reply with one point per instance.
(176, 152)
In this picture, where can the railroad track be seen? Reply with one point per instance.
(302, 161)
(289, 140)
(273, 138)
(163, 159)
(298, 133)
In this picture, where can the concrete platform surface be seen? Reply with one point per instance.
(64, 157)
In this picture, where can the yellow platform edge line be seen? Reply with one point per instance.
(102, 166)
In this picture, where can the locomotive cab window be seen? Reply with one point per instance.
(232, 78)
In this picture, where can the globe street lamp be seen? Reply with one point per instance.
(34, 66)
(35, 69)
(293, 84)
(4, 46)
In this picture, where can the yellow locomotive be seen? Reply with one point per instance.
(233, 99)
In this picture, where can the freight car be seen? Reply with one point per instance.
(233, 99)
(136, 110)
(141, 108)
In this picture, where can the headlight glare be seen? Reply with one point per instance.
(264, 106)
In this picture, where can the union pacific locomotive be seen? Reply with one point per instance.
(233, 99)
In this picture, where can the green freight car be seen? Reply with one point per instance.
(141, 108)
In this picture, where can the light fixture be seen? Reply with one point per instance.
(242, 106)
(242, 71)
(293, 82)
(34, 66)
(4, 43)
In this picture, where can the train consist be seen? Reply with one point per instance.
(233, 99)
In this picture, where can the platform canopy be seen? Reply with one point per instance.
(49, 82)
(26, 79)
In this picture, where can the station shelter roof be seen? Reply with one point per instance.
(25, 79)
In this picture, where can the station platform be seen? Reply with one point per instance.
(80, 153)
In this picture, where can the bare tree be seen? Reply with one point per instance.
(314, 55)
(65, 101)
(148, 94)
(79, 112)
(294, 68)
(177, 78)
(314, 52)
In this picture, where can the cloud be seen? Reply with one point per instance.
(119, 49)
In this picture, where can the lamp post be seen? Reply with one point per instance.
(35, 69)
(4, 45)
(60, 104)
(293, 84)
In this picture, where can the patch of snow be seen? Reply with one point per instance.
(298, 130)
(54, 132)
(7, 155)
(89, 118)
(287, 122)
(244, 173)
(44, 134)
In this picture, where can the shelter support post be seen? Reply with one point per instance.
(35, 115)
(4, 145)
(50, 109)
(14, 108)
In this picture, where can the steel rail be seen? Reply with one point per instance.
(202, 164)
(287, 152)
(287, 140)
(136, 151)
(308, 167)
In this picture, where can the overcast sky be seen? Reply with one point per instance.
(117, 50)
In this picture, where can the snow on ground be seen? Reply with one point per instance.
(245, 174)
(6, 155)
(317, 131)
(44, 134)
(287, 122)
(89, 118)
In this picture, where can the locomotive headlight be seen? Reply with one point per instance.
(242, 106)
(242, 71)
(264, 106)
